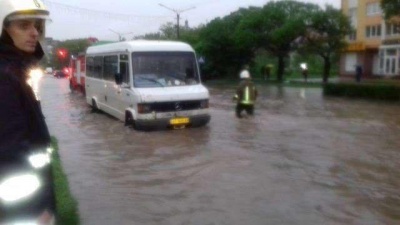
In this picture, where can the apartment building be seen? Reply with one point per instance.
(375, 43)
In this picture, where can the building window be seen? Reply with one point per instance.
(351, 62)
(398, 65)
(353, 17)
(374, 9)
(381, 60)
(353, 20)
(391, 52)
(353, 3)
(392, 29)
(373, 31)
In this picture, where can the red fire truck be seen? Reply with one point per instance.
(77, 73)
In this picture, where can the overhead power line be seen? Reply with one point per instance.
(178, 12)
(97, 13)
(120, 35)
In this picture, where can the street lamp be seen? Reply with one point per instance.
(119, 34)
(178, 12)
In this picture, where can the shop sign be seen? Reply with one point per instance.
(357, 46)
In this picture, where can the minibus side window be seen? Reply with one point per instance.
(98, 67)
(89, 66)
(124, 70)
(110, 67)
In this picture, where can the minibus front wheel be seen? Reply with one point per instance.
(95, 108)
(129, 119)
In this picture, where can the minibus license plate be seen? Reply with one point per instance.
(178, 121)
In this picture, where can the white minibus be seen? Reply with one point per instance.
(147, 84)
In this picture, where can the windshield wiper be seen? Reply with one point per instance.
(153, 80)
(174, 77)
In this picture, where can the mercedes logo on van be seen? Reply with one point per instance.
(178, 106)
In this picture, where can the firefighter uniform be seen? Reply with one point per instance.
(246, 96)
(23, 130)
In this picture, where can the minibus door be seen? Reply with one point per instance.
(125, 91)
(111, 97)
(125, 87)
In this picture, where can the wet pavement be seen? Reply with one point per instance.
(303, 159)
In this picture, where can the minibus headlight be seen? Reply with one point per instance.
(18, 187)
(204, 104)
(144, 108)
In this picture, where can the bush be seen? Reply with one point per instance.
(67, 209)
(388, 92)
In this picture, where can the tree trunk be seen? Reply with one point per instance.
(281, 68)
(327, 69)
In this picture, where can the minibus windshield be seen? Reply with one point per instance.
(164, 69)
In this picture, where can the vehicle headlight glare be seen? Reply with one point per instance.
(19, 187)
(34, 78)
(25, 223)
(39, 160)
(36, 74)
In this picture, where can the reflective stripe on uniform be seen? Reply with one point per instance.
(246, 97)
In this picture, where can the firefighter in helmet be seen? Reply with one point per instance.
(24, 136)
(246, 93)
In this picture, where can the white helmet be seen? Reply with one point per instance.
(22, 9)
(244, 74)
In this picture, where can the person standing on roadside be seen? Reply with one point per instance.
(268, 69)
(246, 93)
(23, 130)
(358, 73)
(304, 71)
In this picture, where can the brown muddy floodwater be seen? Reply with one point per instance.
(303, 159)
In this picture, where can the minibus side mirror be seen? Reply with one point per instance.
(118, 78)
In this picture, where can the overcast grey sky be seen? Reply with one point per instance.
(107, 19)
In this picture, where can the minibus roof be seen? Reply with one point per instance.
(140, 46)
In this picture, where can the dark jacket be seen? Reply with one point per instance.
(22, 124)
(246, 93)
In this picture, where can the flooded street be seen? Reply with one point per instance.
(303, 159)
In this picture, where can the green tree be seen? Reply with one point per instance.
(75, 46)
(167, 31)
(391, 8)
(274, 28)
(325, 36)
(218, 45)
(150, 36)
(192, 36)
(72, 47)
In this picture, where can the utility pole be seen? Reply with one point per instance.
(178, 12)
(120, 35)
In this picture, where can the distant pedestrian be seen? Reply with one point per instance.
(246, 94)
(267, 74)
(358, 73)
(304, 71)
